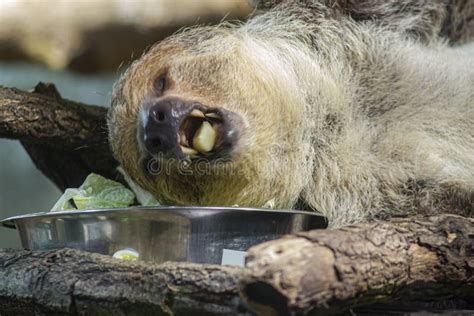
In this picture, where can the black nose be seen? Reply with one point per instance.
(182, 129)
(161, 125)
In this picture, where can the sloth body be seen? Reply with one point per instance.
(352, 120)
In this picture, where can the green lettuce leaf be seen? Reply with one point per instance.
(95, 192)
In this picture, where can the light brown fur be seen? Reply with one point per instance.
(355, 118)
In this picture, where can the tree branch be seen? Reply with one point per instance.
(332, 270)
(66, 140)
(320, 272)
(74, 282)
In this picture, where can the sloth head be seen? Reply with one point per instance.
(215, 116)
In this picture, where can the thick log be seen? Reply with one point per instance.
(69, 281)
(66, 140)
(390, 264)
(331, 270)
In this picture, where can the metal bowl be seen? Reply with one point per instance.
(219, 235)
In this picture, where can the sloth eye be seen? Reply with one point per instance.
(160, 85)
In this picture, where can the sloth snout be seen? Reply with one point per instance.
(159, 135)
(174, 128)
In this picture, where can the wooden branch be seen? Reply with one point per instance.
(75, 282)
(42, 116)
(332, 270)
(66, 140)
(319, 272)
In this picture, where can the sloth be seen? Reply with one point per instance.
(352, 109)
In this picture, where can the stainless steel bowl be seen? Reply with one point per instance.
(217, 235)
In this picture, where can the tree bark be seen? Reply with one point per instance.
(66, 140)
(69, 281)
(317, 272)
(325, 271)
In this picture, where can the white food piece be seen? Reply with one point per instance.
(196, 113)
(205, 138)
(128, 254)
(270, 204)
(188, 151)
(213, 115)
(183, 140)
(144, 197)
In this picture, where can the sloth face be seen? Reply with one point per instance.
(194, 121)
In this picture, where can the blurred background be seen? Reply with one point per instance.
(81, 46)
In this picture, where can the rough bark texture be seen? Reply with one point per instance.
(325, 270)
(317, 272)
(65, 139)
(73, 282)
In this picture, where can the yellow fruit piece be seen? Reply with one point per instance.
(205, 138)
(126, 254)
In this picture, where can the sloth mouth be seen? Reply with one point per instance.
(172, 128)
(200, 133)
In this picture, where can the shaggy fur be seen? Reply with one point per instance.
(355, 111)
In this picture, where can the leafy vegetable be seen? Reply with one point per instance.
(95, 192)
(65, 201)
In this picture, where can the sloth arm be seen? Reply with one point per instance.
(426, 20)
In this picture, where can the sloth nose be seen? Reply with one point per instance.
(161, 127)
(181, 129)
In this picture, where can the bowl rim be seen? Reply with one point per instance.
(10, 221)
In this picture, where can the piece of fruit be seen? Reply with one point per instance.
(205, 138)
(196, 113)
(126, 254)
(188, 151)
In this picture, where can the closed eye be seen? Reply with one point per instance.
(160, 85)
